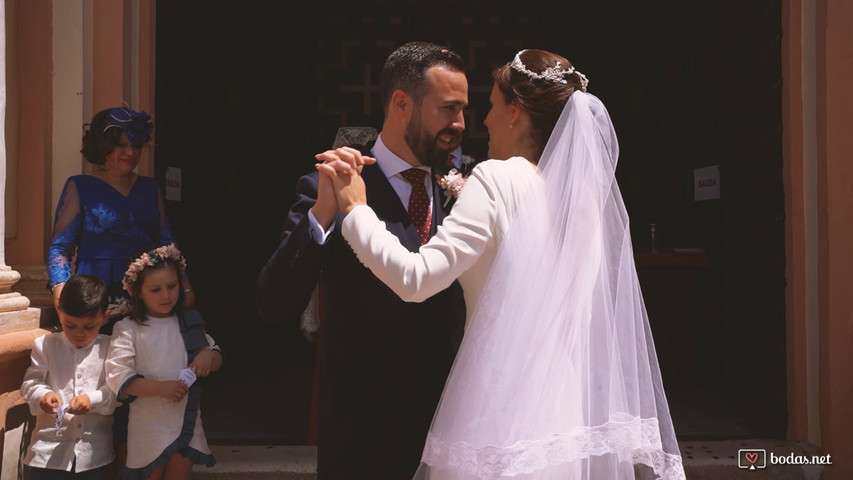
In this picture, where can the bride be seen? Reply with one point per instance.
(557, 375)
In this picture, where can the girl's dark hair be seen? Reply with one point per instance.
(84, 296)
(97, 143)
(543, 99)
(138, 310)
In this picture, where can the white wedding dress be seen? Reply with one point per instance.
(556, 377)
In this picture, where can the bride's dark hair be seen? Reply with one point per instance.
(542, 98)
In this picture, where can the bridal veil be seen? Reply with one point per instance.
(557, 376)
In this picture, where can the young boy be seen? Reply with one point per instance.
(66, 389)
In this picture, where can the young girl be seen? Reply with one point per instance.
(147, 364)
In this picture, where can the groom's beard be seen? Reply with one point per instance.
(427, 148)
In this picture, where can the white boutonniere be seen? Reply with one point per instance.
(452, 184)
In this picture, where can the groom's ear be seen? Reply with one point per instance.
(401, 103)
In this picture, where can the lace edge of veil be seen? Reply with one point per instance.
(637, 439)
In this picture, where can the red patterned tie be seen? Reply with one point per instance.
(419, 209)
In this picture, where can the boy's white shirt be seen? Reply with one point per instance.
(58, 365)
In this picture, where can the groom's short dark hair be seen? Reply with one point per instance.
(405, 69)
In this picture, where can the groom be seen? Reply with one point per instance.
(382, 362)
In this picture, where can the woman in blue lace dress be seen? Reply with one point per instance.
(105, 217)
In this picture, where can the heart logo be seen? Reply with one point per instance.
(752, 457)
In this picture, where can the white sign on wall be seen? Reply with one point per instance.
(706, 183)
(173, 184)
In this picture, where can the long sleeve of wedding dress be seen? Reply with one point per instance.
(464, 245)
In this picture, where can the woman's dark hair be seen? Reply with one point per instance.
(98, 143)
(138, 311)
(406, 67)
(84, 296)
(543, 99)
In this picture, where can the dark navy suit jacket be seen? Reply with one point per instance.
(382, 361)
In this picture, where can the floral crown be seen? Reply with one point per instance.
(554, 74)
(138, 125)
(150, 259)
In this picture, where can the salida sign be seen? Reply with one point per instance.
(706, 183)
(173, 184)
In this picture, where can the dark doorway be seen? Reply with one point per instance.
(247, 94)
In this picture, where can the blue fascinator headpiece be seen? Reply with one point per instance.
(138, 125)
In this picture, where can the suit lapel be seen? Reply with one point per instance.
(439, 209)
(382, 198)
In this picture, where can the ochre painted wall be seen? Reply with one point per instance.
(834, 66)
(34, 88)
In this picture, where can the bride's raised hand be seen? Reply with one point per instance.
(345, 159)
(349, 189)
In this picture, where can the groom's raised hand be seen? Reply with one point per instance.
(326, 206)
(344, 159)
(343, 167)
(349, 189)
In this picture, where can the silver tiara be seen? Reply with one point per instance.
(555, 73)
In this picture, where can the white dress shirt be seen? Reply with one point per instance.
(391, 165)
(62, 367)
(456, 157)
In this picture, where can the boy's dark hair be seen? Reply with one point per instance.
(84, 296)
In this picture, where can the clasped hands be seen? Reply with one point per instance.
(341, 187)
(51, 401)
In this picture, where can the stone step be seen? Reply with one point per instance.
(703, 460)
(718, 460)
(252, 462)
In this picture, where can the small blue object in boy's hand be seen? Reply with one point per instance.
(60, 412)
(187, 376)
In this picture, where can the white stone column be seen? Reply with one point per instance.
(15, 314)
